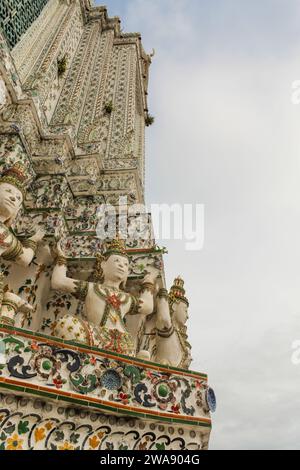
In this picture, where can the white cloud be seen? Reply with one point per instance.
(226, 135)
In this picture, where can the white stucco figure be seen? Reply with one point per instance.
(12, 186)
(106, 302)
(172, 347)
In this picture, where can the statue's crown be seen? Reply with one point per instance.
(115, 247)
(177, 291)
(16, 176)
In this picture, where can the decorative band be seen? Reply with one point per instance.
(163, 294)
(7, 321)
(10, 304)
(14, 252)
(166, 333)
(61, 261)
(148, 286)
(28, 243)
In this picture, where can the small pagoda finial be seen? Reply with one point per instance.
(177, 291)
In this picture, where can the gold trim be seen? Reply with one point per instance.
(30, 244)
(15, 251)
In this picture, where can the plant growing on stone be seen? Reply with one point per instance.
(149, 120)
(108, 107)
(61, 66)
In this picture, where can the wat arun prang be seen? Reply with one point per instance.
(94, 349)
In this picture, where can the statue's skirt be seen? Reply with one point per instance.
(70, 328)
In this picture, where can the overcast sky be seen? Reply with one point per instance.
(227, 136)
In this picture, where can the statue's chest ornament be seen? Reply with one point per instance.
(113, 301)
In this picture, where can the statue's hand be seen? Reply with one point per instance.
(38, 236)
(25, 307)
(21, 304)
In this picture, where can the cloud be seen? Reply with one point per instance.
(226, 135)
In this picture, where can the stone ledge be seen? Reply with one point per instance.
(39, 365)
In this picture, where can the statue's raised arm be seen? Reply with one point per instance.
(172, 346)
(59, 280)
(106, 301)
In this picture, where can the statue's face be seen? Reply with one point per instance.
(180, 314)
(11, 200)
(116, 268)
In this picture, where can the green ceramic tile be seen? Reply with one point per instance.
(15, 388)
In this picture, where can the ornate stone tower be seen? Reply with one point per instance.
(93, 347)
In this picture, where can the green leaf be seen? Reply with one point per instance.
(123, 447)
(59, 436)
(3, 436)
(53, 447)
(10, 429)
(11, 340)
(133, 373)
(23, 427)
(74, 438)
(160, 447)
(2, 446)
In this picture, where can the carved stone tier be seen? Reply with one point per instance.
(71, 375)
(26, 424)
(87, 122)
